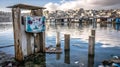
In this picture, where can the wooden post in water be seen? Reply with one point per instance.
(58, 41)
(67, 42)
(42, 41)
(91, 45)
(17, 34)
(92, 42)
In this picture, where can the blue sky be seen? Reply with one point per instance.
(52, 5)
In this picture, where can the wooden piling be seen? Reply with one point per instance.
(17, 34)
(42, 41)
(58, 41)
(29, 45)
(67, 42)
(91, 45)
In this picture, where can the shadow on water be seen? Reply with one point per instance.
(116, 27)
(67, 57)
(90, 60)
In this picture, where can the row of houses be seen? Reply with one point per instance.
(109, 15)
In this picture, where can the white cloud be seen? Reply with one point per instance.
(86, 4)
(62, 1)
(52, 6)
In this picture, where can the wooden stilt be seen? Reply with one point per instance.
(67, 42)
(17, 34)
(91, 45)
(58, 41)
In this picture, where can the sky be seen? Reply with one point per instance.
(52, 5)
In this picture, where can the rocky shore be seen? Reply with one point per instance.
(7, 60)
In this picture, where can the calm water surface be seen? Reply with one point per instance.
(107, 44)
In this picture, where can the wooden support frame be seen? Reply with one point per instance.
(17, 34)
(23, 41)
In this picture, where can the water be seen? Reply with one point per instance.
(107, 44)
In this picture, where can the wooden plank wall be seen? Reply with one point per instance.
(40, 39)
(17, 34)
(23, 41)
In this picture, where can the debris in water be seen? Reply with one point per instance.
(115, 57)
(115, 65)
(100, 66)
(113, 62)
(76, 62)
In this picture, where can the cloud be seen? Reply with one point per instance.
(86, 4)
(105, 2)
(62, 1)
(52, 6)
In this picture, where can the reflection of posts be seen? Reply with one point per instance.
(93, 32)
(58, 41)
(58, 56)
(67, 42)
(67, 57)
(94, 23)
(117, 26)
(90, 60)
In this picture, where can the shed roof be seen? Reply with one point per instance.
(25, 6)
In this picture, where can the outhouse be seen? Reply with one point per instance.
(23, 40)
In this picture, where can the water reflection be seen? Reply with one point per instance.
(82, 31)
(58, 56)
(90, 60)
(117, 27)
(106, 38)
(67, 57)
